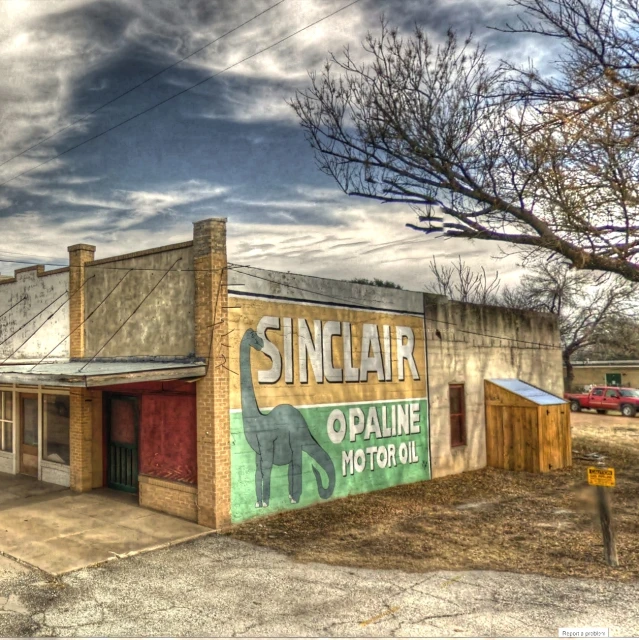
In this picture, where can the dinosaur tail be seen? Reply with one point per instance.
(323, 459)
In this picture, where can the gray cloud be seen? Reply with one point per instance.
(231, 147)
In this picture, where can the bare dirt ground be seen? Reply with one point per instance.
(488, 519)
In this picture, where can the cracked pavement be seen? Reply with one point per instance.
(217, 586)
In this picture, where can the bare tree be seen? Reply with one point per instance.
(458, 281)
(547, 162)
(591, 308)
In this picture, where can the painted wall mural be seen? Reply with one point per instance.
(325, 402)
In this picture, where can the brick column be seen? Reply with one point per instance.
(79, 255)
(81, 439)
(213, 420)
(81, 409)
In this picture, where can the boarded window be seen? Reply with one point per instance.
(457, 415)
(168, 437)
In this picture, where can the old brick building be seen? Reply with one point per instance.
(218, 392)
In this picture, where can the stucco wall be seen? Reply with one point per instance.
(39, 290)
(296, 287)
(163, 325)
(460, 350)
(584, 376)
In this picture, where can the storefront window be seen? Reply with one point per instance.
(55, 428)
(6, 421)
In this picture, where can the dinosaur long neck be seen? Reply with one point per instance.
(249, 403)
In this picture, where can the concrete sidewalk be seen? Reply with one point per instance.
(58, 531)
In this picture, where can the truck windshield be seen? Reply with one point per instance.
(629, 393)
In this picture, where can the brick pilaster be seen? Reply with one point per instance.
(79, 255)
(81, 439)
(211, 329)
(81, 409)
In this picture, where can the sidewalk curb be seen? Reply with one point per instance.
(24, 563)
(131, 554)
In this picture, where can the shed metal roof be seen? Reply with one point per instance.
(94, 374)
(525, 390)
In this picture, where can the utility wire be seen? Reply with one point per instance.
(488, 335)
(179, 93)
(97, 266)
(348, 299)
(342, 299)
(155, 286)
(325, 295)
(137, 86)
(47, 319)
(12, 306)
(82, 323)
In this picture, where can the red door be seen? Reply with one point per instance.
(611, 400)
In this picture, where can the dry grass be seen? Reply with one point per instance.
(488, 519)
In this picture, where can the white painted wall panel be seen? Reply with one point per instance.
(19, 327)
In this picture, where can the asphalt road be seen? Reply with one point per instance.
(216, 586)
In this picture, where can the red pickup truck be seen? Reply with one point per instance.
(606, 399)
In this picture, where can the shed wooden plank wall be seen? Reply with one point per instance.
(524, 436)
(557, 441)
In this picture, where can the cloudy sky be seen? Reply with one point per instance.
(230, 147)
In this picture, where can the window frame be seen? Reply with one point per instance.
(454, 443)
(43, 426)
(44, 466)
(4, 421)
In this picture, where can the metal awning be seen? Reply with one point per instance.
(80, 374)
(525, 390)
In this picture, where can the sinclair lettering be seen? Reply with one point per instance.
(317, 345)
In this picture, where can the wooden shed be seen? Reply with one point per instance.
(527, 429)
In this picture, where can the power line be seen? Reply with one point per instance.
(179, 93)
(49, 264)
(343, 299)
(137, 86)
(349, 298)
(90, 266)
(155, 286)
(488, 335)
(82, 323)
(12, 306)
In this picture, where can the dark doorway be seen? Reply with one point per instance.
(123, 420)
(613, 379)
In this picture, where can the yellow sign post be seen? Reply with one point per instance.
(601, 477)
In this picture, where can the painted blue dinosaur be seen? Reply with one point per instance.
(278, 437)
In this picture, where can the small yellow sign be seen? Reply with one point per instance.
(603, 477)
